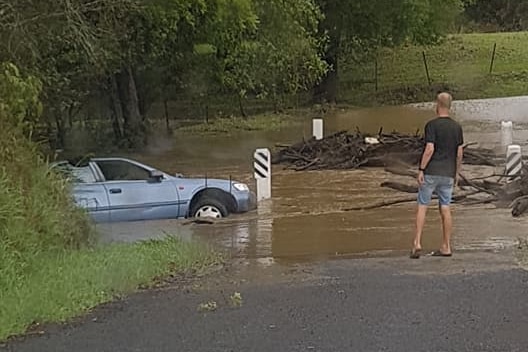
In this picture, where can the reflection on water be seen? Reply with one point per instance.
(305, 217)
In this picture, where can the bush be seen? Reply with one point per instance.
(36, 211)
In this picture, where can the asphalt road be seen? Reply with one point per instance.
(471, 302)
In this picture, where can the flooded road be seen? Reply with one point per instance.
(305, 218)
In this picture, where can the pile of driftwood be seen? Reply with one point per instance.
(481, 190)
(345, 150)
(399, 154)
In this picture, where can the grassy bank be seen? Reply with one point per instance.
(227, 125)
(460, 63)
(57, 286)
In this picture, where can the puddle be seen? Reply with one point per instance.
(305, 218)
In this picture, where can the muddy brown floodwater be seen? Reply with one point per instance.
(304, 219)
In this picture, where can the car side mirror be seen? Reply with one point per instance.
(156, 175)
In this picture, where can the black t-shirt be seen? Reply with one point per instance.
(446, 135)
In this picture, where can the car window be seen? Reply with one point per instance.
(119, 170)
(81, 174)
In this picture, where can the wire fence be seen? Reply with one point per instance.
(488, 69)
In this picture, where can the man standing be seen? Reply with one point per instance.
(438, 172)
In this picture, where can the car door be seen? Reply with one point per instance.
(88, 193)
(134, 195)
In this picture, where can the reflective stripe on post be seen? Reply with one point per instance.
(262, 172)
(513, 162)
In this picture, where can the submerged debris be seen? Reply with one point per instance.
(399, 154)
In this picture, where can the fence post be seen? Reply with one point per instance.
(262, 172)
(426, 69)
(493, 58)
(376, 72)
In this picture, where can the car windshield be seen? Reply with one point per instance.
(82, 174)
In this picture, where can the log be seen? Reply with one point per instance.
(519, 206)
(307, 166)
(479, 187)
(400, 187)
(386, 203)
(401, 172)
(487, 200)
(382, 204)
(199, 222)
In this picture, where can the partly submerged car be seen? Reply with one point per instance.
(119, 189)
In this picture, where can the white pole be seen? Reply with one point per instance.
(513, 161)
(317, 128)
(262, 172)
(506, 133)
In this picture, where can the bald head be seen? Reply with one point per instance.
(443, 103)
(443, 100)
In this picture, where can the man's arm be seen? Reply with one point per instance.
(427, 155)
(460, 156)
(426, 158)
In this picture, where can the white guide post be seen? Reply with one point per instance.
(513, 162)
(262, 171)
(506, 133)
(317, 128)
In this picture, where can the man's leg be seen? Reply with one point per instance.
(424, 198)
(445, 192)
(421, 213)
(447, 228)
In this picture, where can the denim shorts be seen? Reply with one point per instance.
(441, 185)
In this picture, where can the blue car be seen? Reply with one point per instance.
(119, 189)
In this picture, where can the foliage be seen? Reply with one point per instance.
(61, 285)
(130, 54)
(498, 15)
(36, 212)
(279, 54)
(19, 103)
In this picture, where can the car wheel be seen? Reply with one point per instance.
(209, 208)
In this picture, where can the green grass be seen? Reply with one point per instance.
(461, 64)
(57, 286)
(227, 125)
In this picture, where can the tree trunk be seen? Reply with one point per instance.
(326, 91)
(61, 131)
(133, 123)
(115, 108)
(167, 121)
(241, 106)
(144, 99)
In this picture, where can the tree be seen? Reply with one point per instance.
(65, 44)
(129, 54)
(498, 15)
(355, 27)
(275, 52)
